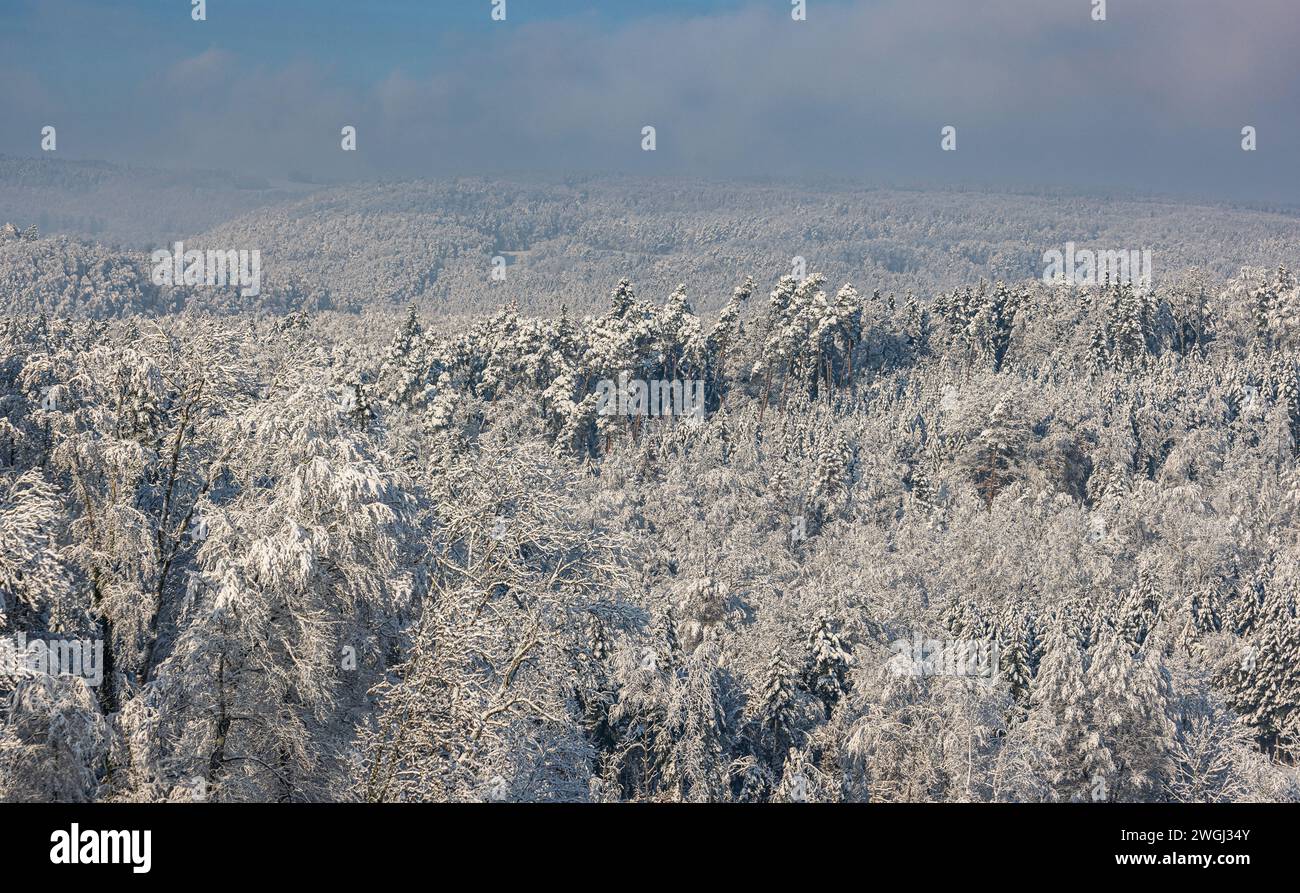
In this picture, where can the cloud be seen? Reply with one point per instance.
(1039, 92)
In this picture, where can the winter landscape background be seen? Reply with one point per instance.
(366, 535)
(649, 402)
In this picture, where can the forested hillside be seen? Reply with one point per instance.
(383, 556)
(434, 241)
(126, 206)
(458, 247)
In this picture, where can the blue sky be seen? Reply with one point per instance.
(1153, 99)
(362, 40)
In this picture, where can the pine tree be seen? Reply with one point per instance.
(827, 665)
(995, 455)
(1263, 683)
(697, 727)
(1139, 610)
(1130, 738)
(594, 691)
(776, 709)
(1013, 664)
(1056, 729)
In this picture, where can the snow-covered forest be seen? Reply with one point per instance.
(567, 240)
(383, 556)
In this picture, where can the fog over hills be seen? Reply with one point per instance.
(568, 241)
(131, 207)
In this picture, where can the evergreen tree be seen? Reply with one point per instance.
(1263, 682)
(827, 665)
(776, 709)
